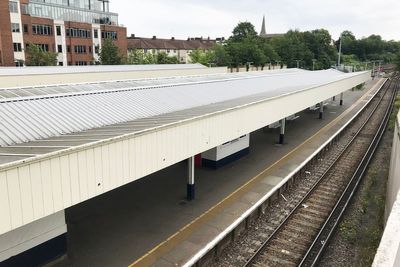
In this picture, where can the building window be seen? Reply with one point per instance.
(80, 49)
(60, 63)
(45, 47)
(15, 27)
(58, 29)
(80, 63)
(42, 29)
(69, 50)
(90, 49)
(17, 47)
(96, 34)
(59, 49)
(168, 50)
(109, 35)
(78, 33)
(26, 28)
(19, 63)
(13, 7)
(24, 9)
(96, 49)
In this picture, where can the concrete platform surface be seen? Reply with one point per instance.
(150, 220)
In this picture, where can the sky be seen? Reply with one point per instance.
(217, 18)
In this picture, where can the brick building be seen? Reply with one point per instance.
(173, 47)
(74, 29)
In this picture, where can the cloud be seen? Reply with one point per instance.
(217, 18)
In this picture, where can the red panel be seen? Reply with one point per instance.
(197, 160)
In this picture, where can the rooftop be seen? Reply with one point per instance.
(66, 117)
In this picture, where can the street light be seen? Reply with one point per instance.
(298, 63)
(313, 64)
(340, 50)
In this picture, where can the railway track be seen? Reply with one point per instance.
(303, 234)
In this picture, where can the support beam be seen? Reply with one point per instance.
(190, 184)
(282, 133)
(341, 99)
(321, 110)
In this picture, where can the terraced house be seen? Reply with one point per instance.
(173, 47)
(75, 29)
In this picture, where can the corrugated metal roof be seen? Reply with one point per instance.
(29, 120)
(11, 94)
(15, 71)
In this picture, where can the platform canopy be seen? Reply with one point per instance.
(61, 145)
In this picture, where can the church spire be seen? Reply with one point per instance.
(263, 32)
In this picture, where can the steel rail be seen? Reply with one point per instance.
(315, 251)
(252, 260)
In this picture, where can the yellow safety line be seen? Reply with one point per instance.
(148, 259)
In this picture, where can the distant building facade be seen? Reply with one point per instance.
(173, 47)
(264, 34)
(74, 29)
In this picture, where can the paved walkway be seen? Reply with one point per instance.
(119, 227)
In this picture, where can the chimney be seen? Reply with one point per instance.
(172, 38)
(132, 36)
(154, 37)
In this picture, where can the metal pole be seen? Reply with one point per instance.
(190, 184)
(379, 69)
(341, 99)
(340, 50)
(321, 110)
(282, 133)
(373, 71)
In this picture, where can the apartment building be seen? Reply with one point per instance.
(74, 29)
(173, 47)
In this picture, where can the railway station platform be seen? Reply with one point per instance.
(150, 223)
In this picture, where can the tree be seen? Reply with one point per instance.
(109, 53)
(163, 58)
(397, 61)
(36, 56)
(242, 31)
(221, 56)
(292, 48)
(204, 57)
(138, 57)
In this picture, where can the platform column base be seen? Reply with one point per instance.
(190, 192)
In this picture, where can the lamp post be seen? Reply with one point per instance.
(340, 50)
(298, 63)
(313, 64)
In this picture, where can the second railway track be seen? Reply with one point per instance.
(301, 237)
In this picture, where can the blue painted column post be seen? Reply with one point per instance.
(282, 134)
(190, 184)
(321, 110)
(341, 99)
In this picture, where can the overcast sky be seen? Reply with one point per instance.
(217, 18)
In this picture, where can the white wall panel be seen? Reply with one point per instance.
(98, 170)
(91, 176)
(56, 184)
(37, 190)
(14, 195)
(83, 175)
(26, 193)
(74, 177)
(76, 174)
(65, 181)
(45, 169)
(5, 216)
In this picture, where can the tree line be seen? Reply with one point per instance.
(309, 50)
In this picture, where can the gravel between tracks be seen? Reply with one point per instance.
(357, 238)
